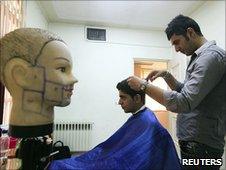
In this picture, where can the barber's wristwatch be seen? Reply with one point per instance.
(143, 85)
(166, 75)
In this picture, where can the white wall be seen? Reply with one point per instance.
(211, 19)
(34, 16)
(99, 67)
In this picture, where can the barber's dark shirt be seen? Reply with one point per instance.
(201, 99)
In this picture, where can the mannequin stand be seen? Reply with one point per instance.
(34, 153)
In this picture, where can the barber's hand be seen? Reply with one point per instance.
(155, 74)
(135, 82)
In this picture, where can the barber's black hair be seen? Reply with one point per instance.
(124, 87)
(179, 26)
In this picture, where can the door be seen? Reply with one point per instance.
(142, 69)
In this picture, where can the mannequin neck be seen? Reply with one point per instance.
(30, 113)
(26, 122)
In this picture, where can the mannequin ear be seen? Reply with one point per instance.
(20, 72)
(27, 76)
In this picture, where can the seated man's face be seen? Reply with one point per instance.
(127, 103)
(56, 62)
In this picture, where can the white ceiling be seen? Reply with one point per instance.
(129, 14)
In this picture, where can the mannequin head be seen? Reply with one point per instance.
(36, 68)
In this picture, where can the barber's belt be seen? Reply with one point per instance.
(195, 145)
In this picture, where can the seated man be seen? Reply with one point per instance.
(141, 143)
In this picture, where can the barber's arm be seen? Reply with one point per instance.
(205, 75)
(154, 92)
(169, 79)
(173, 101)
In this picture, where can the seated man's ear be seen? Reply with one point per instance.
(137, 98)
(23, 74)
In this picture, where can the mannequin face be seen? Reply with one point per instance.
(56, 61)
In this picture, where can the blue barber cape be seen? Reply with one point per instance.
(141, 143)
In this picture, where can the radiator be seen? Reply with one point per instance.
(76, 135)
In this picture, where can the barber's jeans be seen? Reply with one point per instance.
(197, 151)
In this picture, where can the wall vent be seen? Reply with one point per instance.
(95, 34)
